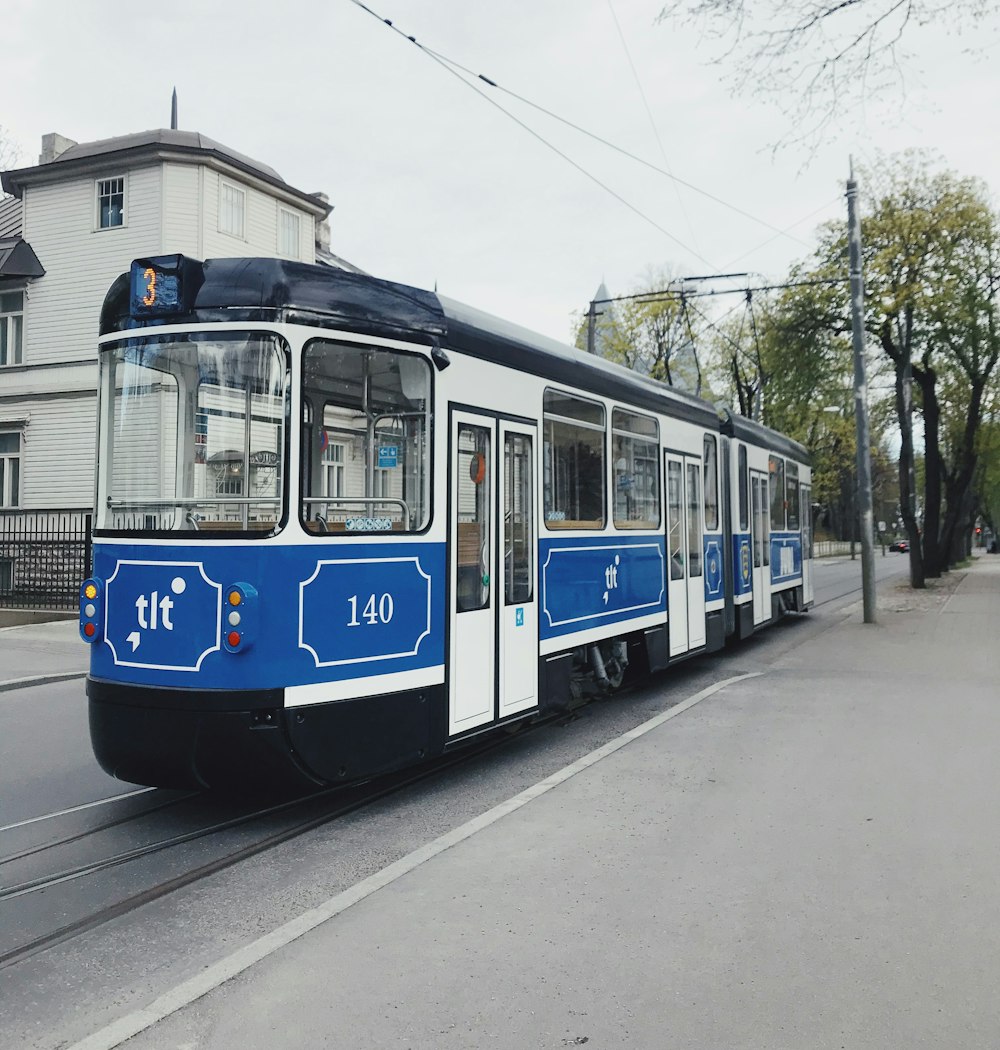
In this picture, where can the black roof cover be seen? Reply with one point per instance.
(280, 290)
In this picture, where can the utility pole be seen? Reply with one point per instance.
(592, 328)
(864, 463)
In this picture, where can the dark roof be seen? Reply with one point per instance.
(755, 433)
(163, 137)
(10, 217)
(277, 290)
(17, 259)
(159, 142)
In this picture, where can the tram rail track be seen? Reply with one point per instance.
(347, 799)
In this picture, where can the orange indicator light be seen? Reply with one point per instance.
(88, 630)
(233, 639)
(90, 591)
(235, 597)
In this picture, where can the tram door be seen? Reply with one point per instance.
(807, 543)
(494, 619)
(760, 541)
(685, 575)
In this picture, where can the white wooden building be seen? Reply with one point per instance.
(74, 222)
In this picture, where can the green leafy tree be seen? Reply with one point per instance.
(654, 331)
(930, 256)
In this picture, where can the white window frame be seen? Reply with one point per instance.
(293, 246)
(7, 498)
(98, 228)
(240, 195)
(8, 325)
(335, 468)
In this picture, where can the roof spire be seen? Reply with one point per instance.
(173, 111)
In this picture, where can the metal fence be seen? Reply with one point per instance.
(44, 557)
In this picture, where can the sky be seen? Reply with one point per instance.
(433, 185)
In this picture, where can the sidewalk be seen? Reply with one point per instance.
(41, 652)
(805, 859)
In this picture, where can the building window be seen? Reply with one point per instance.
(11, 327)
(333, 466)
(288, 233)
(110, 203)
(232, 209)
(10, 469)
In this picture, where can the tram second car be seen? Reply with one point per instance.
(344, 525)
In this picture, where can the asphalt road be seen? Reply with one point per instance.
(46, 766)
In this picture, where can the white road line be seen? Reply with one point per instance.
(218, 973)
(75, 809)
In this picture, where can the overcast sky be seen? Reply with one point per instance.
(432, 183)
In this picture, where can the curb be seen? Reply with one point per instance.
(11, 684)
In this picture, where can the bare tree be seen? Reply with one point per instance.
(9, 153)
(819, 59)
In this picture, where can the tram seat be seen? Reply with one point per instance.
(324, 527)
(569, 523)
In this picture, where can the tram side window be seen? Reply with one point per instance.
(742, 486)
(776, 488)
(635, 444)
(711, 484)
(574, 462)
(792, 495)
(365, 439)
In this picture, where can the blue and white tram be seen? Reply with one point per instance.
(344, 525)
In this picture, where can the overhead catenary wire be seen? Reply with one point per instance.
(447, 65)
(652, 123)
(674, 294)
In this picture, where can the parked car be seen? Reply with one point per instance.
(903, 546)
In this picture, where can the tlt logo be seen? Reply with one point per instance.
(153, 612)
(163, 607)
(611, 577)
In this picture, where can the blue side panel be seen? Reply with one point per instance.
(714, 577)
(588, 583)
(786, 557)
(308, 614)
(743, 564)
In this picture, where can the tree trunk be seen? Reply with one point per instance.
(934, 552)
(906, 477)
(959, 482)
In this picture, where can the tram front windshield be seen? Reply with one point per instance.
(192, 434)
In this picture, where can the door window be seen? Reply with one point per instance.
(519, 517)
(473, 496)
(694, 519)
(675, 509)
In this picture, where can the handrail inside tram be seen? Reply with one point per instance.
(364, 500)
(189, 501)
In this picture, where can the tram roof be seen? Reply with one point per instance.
(755, 433)
(248, 290)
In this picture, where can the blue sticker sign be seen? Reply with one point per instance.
(162, 615)
(786, 557)
(388, 456)
(353, 611)
(519, 617)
